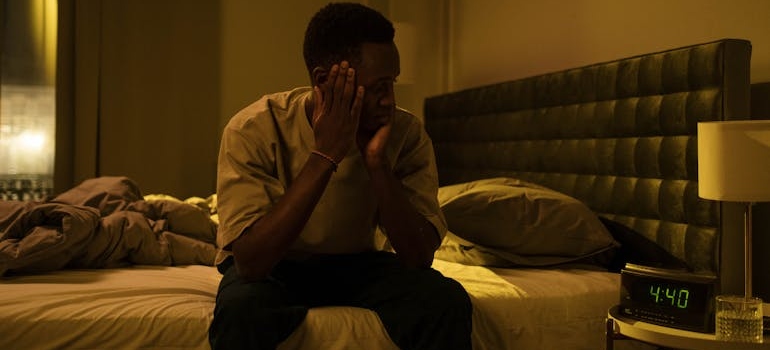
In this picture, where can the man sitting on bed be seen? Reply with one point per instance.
(304, 179)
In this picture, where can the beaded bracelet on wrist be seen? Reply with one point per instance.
(330, 159)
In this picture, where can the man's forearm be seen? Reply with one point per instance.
(265, 242)
(412, 236)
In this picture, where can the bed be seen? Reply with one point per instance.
(612, 144)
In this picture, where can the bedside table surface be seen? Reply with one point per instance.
(675, 338)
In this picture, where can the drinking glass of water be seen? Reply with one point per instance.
(739, 318)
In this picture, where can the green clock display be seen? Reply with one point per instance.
(672, 298)
(678, 297)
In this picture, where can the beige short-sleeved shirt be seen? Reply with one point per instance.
(264, 147)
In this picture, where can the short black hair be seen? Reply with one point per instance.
(337, 30)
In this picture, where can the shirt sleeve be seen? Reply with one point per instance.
(246, 190)
(416, 167)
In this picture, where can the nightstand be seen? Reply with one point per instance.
(620, 327)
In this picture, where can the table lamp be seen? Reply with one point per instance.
(734, 166)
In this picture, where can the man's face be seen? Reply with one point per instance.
(377, 72)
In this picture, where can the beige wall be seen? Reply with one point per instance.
(465, 43)
(155, 85)
(495, 40)
(262, 48)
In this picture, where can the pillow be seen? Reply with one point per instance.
(635, 248)
(519, 222)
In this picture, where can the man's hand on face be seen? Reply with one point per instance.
(372, 144)
(336, 111)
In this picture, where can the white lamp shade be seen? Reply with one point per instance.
(734, 160)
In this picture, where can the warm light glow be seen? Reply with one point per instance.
(734, 160)
(734, 166)
(31, 141)
(27, 102)
(27, 130)
(43, 22)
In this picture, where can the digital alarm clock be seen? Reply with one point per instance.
(671, 298)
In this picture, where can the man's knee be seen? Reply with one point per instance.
(252, 316)
(438, 315)
(452, 297)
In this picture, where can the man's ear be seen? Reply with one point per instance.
(320, 75)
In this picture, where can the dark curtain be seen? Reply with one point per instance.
(65, 97)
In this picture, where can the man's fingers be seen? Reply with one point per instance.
(318, 104)
(339, 81)
(338, 95)
(328, 88)
(350, 85)
(355, 109)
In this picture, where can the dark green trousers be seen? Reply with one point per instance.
(420, 308)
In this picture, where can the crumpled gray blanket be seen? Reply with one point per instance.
(103, 222)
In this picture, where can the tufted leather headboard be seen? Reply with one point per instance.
(619, 135)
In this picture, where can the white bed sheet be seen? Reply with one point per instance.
(146, 307)
(542, 309)
(152, 307)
